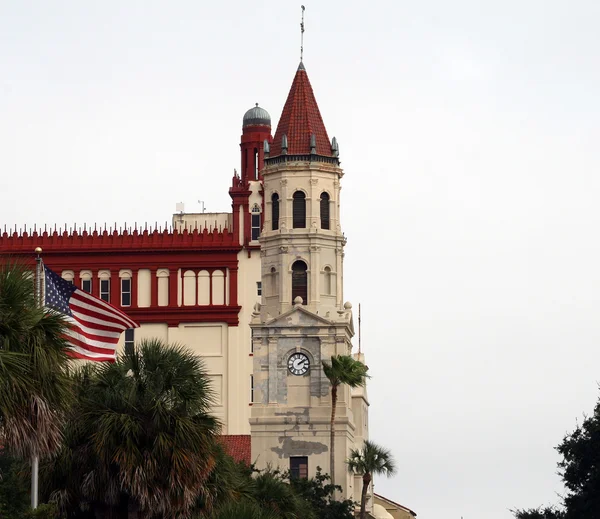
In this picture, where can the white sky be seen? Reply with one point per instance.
(468, 131)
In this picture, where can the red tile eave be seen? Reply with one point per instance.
(300, 119)
(238, 447)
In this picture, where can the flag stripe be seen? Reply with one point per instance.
(106, 349)
(79, 353)
(99, 305)
(96, 332)
(86, 316)
(77, 336)
(95, 325)
(98, 313)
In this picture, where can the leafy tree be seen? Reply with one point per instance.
(140, 438)
(580, 472)
(548, 512)
(272, 492)
(320, 496)
(343, 369)
(371, 459)
(34, 383)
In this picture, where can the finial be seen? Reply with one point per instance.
(302, 35)
(284, 144)
(38, 250)
(335, 148)
(256, 105)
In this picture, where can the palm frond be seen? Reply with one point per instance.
(344, 369)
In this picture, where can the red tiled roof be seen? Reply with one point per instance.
(301, 118)
(237, 446)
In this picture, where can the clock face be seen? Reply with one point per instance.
(298, 364)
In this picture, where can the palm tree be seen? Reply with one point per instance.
(34, 383)
(371, 459)
(141, 436)
(343, 369)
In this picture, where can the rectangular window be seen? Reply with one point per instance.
(129, 340)
(255, 226)
(251, 388)
(86, 285)
(125, 292)
(259, 288)
(105, 290)
(299, 467)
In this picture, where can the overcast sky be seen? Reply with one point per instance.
(469, 135)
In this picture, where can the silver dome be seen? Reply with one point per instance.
(257, 116)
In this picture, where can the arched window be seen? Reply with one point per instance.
(324, 211)
(275, 211)
(327, 272)
(299, 210)
(273, 287)
(300, 281)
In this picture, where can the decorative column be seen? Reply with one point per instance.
(153, 288)
(95, 283)
(115, 288)
(173, 272)
(134, 288)
(233, 286)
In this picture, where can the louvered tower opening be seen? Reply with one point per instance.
(324, 211)
(299, 210)
(300, 281)
(275, 211)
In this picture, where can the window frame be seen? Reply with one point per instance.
(302, 288)
(126, 292)
(274, 212)
(297, 463)
(255, 228)
(85, 281)
(129, 340)
(299, 210)
(325, 210)
(105, 291)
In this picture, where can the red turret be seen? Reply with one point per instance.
(247, 221)
(256, 130)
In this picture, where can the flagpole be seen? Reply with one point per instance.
(35, 460)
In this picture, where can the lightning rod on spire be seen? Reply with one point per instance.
(302, 35)
(359, 348)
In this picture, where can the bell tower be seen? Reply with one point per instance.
(302, 319)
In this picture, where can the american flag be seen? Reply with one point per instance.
(95, 325)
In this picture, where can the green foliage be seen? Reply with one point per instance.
(371, 459)
(580, 472)
(139, 436)
(14, 492)
(344, 369)
(539, 513)
(320, 496)
(34, 384)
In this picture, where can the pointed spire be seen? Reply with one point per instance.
(300, 120)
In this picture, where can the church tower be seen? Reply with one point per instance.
(302, 319)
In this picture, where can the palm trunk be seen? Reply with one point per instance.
(334, 389)
(363, 497)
